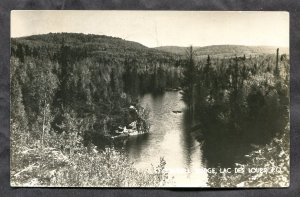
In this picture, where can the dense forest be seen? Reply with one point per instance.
(244, 103)
(95, 78)
(70, 90)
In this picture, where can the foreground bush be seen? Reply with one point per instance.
(275, 155)
(33, 164)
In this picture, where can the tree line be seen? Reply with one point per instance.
(93, 79)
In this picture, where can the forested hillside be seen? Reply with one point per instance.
(93, 78)
(70, 90)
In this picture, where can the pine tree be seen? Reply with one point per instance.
(189, 80)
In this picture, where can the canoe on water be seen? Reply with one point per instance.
(127, 134)
(176, 111)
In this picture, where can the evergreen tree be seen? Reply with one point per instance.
(189, 80)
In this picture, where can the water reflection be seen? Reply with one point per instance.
(135, 144)
(170, 138)
(188, 145)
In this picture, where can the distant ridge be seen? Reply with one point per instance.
(80, 38)
(113, 46)
(93, 45)
(226, 50)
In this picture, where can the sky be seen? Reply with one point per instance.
(161, 28)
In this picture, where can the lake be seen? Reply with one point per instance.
(168, 138)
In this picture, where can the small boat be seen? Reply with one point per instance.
(126, 133)
(136, 133)
(132, 129)
(176, 111)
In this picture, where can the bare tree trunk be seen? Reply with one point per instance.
(277, 72)
(277, 57)
(44, 122)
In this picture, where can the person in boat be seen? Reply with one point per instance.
(133, 113)
(137, 123)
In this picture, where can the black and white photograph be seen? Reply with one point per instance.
(117, 98)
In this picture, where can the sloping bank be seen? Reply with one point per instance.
(49, 166)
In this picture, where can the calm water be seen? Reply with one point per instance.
(168, 139)
(185, 157)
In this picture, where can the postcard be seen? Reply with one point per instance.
(149, 98)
